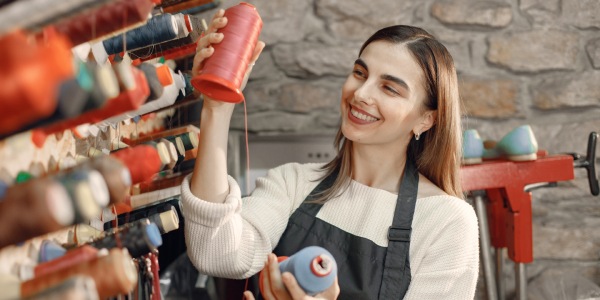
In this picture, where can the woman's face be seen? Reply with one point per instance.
(382, 98)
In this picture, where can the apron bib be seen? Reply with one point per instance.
(365, 270)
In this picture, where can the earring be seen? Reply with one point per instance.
(417, 136)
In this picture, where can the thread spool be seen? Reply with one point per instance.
(184, 24)
(75, 288)
(88, 191)
(222, 74)
(165, 221)
(125, 101)
(83, 233)
(18, 14)
(113, 274)
(154, 197)
(30, 78)
(70, 258)
(156, 88)
(173, 155)
(166, 3)
(106, 85)
(3, 188)
(50, 250)
(34, 208)
(313, 267)
(140, 170)
(104, 20)
(185, 5)
(173, 83)
(159, 29)
(194, 31)
(115, 174)
(189, 140)
(138, 238)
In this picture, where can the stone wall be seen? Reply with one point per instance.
(519, 62)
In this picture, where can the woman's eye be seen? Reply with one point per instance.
(391, 89)
(358, 73)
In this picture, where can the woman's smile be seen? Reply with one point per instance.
(359, 116)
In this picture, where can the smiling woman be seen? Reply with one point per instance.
(388, 207)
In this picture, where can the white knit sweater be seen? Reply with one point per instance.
(232, 239)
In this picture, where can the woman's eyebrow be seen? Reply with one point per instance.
(387, 77)
(361, 63)
(395, 80)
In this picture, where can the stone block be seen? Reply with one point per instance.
(578, 90)
(582, 14)
(304, 97)
(357, 19)
(488, 98)
(490, 14)
(535, 50)
(593, 51)
(313, 59)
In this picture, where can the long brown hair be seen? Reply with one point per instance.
(438, 152)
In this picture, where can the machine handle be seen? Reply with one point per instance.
(589, 163)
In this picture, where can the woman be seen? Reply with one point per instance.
(388, 207)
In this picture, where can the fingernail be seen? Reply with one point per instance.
(220, 35)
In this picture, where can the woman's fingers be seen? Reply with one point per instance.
(260, 45)
(277, 287)
(266, 292)
(332, 292)
(248, 295)
(200, 57)
(211, 38)
(217, 21)
(292, 286)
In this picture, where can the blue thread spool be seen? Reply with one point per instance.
(159, 29)
(313, 267)
(50, 250)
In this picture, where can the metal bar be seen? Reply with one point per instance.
(500, 285)
(485, 245)
(521, 281)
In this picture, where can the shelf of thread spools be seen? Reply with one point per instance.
(90, 165)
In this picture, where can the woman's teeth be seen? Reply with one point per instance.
(362, 116)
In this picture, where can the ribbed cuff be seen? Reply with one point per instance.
(210, 214)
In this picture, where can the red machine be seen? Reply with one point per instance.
(508, 187)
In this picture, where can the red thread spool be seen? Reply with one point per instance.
(222, 74)
(29, 77)
(142, 161)
(99, 22)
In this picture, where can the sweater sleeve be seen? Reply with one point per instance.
(450, 267)
(232, 239)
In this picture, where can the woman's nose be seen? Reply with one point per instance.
(363, 94)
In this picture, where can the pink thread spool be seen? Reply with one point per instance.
(222, 75)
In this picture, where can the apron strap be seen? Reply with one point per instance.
(313, 208)
(396, 273)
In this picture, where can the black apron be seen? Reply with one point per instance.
(365, 270)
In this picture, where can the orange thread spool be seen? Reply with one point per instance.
(222, 74)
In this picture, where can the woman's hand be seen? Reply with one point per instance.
(284, 286)
(204, 49)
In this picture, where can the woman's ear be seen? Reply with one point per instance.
(427, 121)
